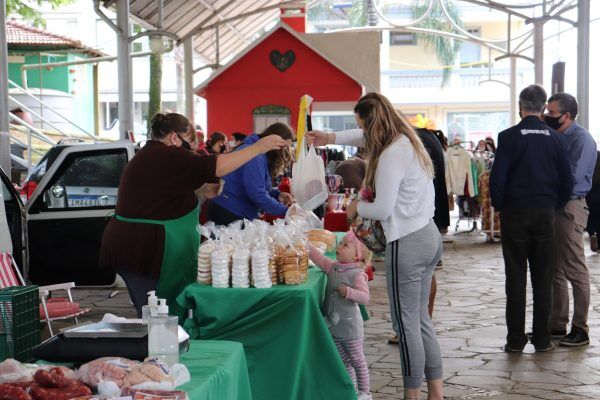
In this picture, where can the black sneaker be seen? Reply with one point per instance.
(544, 349)
(594, 243)
(512, 349)
(577, 337)
(553, 334)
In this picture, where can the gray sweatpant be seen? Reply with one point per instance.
(410, 262)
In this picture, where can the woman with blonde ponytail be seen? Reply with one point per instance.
(400, 173)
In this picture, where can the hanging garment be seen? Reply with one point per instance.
(474, 176)
(459, 167)
(486, 205)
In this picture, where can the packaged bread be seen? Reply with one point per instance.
(294, 263)
(323, 236)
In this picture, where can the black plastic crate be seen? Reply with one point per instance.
(19, 322)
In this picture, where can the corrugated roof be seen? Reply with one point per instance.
(21, 35)
(198, 18)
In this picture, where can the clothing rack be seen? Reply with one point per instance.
(472, 220)
(474, 227)
(493, 229)
(469, 142)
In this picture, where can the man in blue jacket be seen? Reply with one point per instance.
(570, 223)
(530, 179)
(249, 189)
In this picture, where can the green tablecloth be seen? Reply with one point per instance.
(218, 370)
(290, 352)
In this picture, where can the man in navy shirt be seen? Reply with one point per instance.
(530, 179)
(570, 223)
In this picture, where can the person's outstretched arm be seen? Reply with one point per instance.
(350, 137)
(324, 263)
(227, 163)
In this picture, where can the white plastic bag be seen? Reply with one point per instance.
(298, 215)
(308, 179)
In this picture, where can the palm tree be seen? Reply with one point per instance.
(357, 14)
(446, 49)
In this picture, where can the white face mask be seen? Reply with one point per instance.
(231, 144)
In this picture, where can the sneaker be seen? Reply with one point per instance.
(439, 265)
(364, 396)
(553, 334)
(577, 337)
(549, 347)
(594, 243)
(511, 349)
(393, 339)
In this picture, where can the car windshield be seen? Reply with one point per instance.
(44, 164)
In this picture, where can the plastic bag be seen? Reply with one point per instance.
(12, 371)
(308, 218)
(308, 179)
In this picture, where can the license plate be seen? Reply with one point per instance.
(89, 201)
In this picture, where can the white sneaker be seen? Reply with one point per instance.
(364, 396)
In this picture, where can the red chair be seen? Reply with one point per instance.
(51, 309)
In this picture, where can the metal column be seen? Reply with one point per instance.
(583, 61)
(513, 91)
(124, 68)
(188, 66)
(538, 51)
(5, 162)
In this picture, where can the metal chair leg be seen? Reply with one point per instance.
(48, 320)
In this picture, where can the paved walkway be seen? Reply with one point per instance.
(469, 319)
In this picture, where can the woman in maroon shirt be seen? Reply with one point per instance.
(152, 242)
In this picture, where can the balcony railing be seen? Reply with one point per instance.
(459, 77)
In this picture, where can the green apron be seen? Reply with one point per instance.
(180, 257)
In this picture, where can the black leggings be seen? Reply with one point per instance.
(220, 215)
(138, 287)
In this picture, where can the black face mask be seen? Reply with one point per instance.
(185, 144)
(552, 122)
(223, 148)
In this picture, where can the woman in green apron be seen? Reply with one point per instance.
(152, 241)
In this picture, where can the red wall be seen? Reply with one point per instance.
(253, 81)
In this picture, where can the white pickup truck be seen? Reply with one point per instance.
(56, 234)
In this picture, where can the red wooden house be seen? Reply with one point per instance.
(264, 84)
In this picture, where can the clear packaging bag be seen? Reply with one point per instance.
(308, 179)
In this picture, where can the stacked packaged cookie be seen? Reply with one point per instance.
(259, 255)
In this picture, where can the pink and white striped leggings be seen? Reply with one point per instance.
(353, 356)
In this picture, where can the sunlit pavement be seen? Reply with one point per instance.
(469, 319)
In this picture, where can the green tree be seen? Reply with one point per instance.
(155, 87)
(446, 49)
(27, 10)
(358, 13)
(324, 11)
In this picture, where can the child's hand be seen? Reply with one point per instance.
(342, 290)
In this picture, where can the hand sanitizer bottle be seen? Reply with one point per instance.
(150, 308)
(163, 342)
